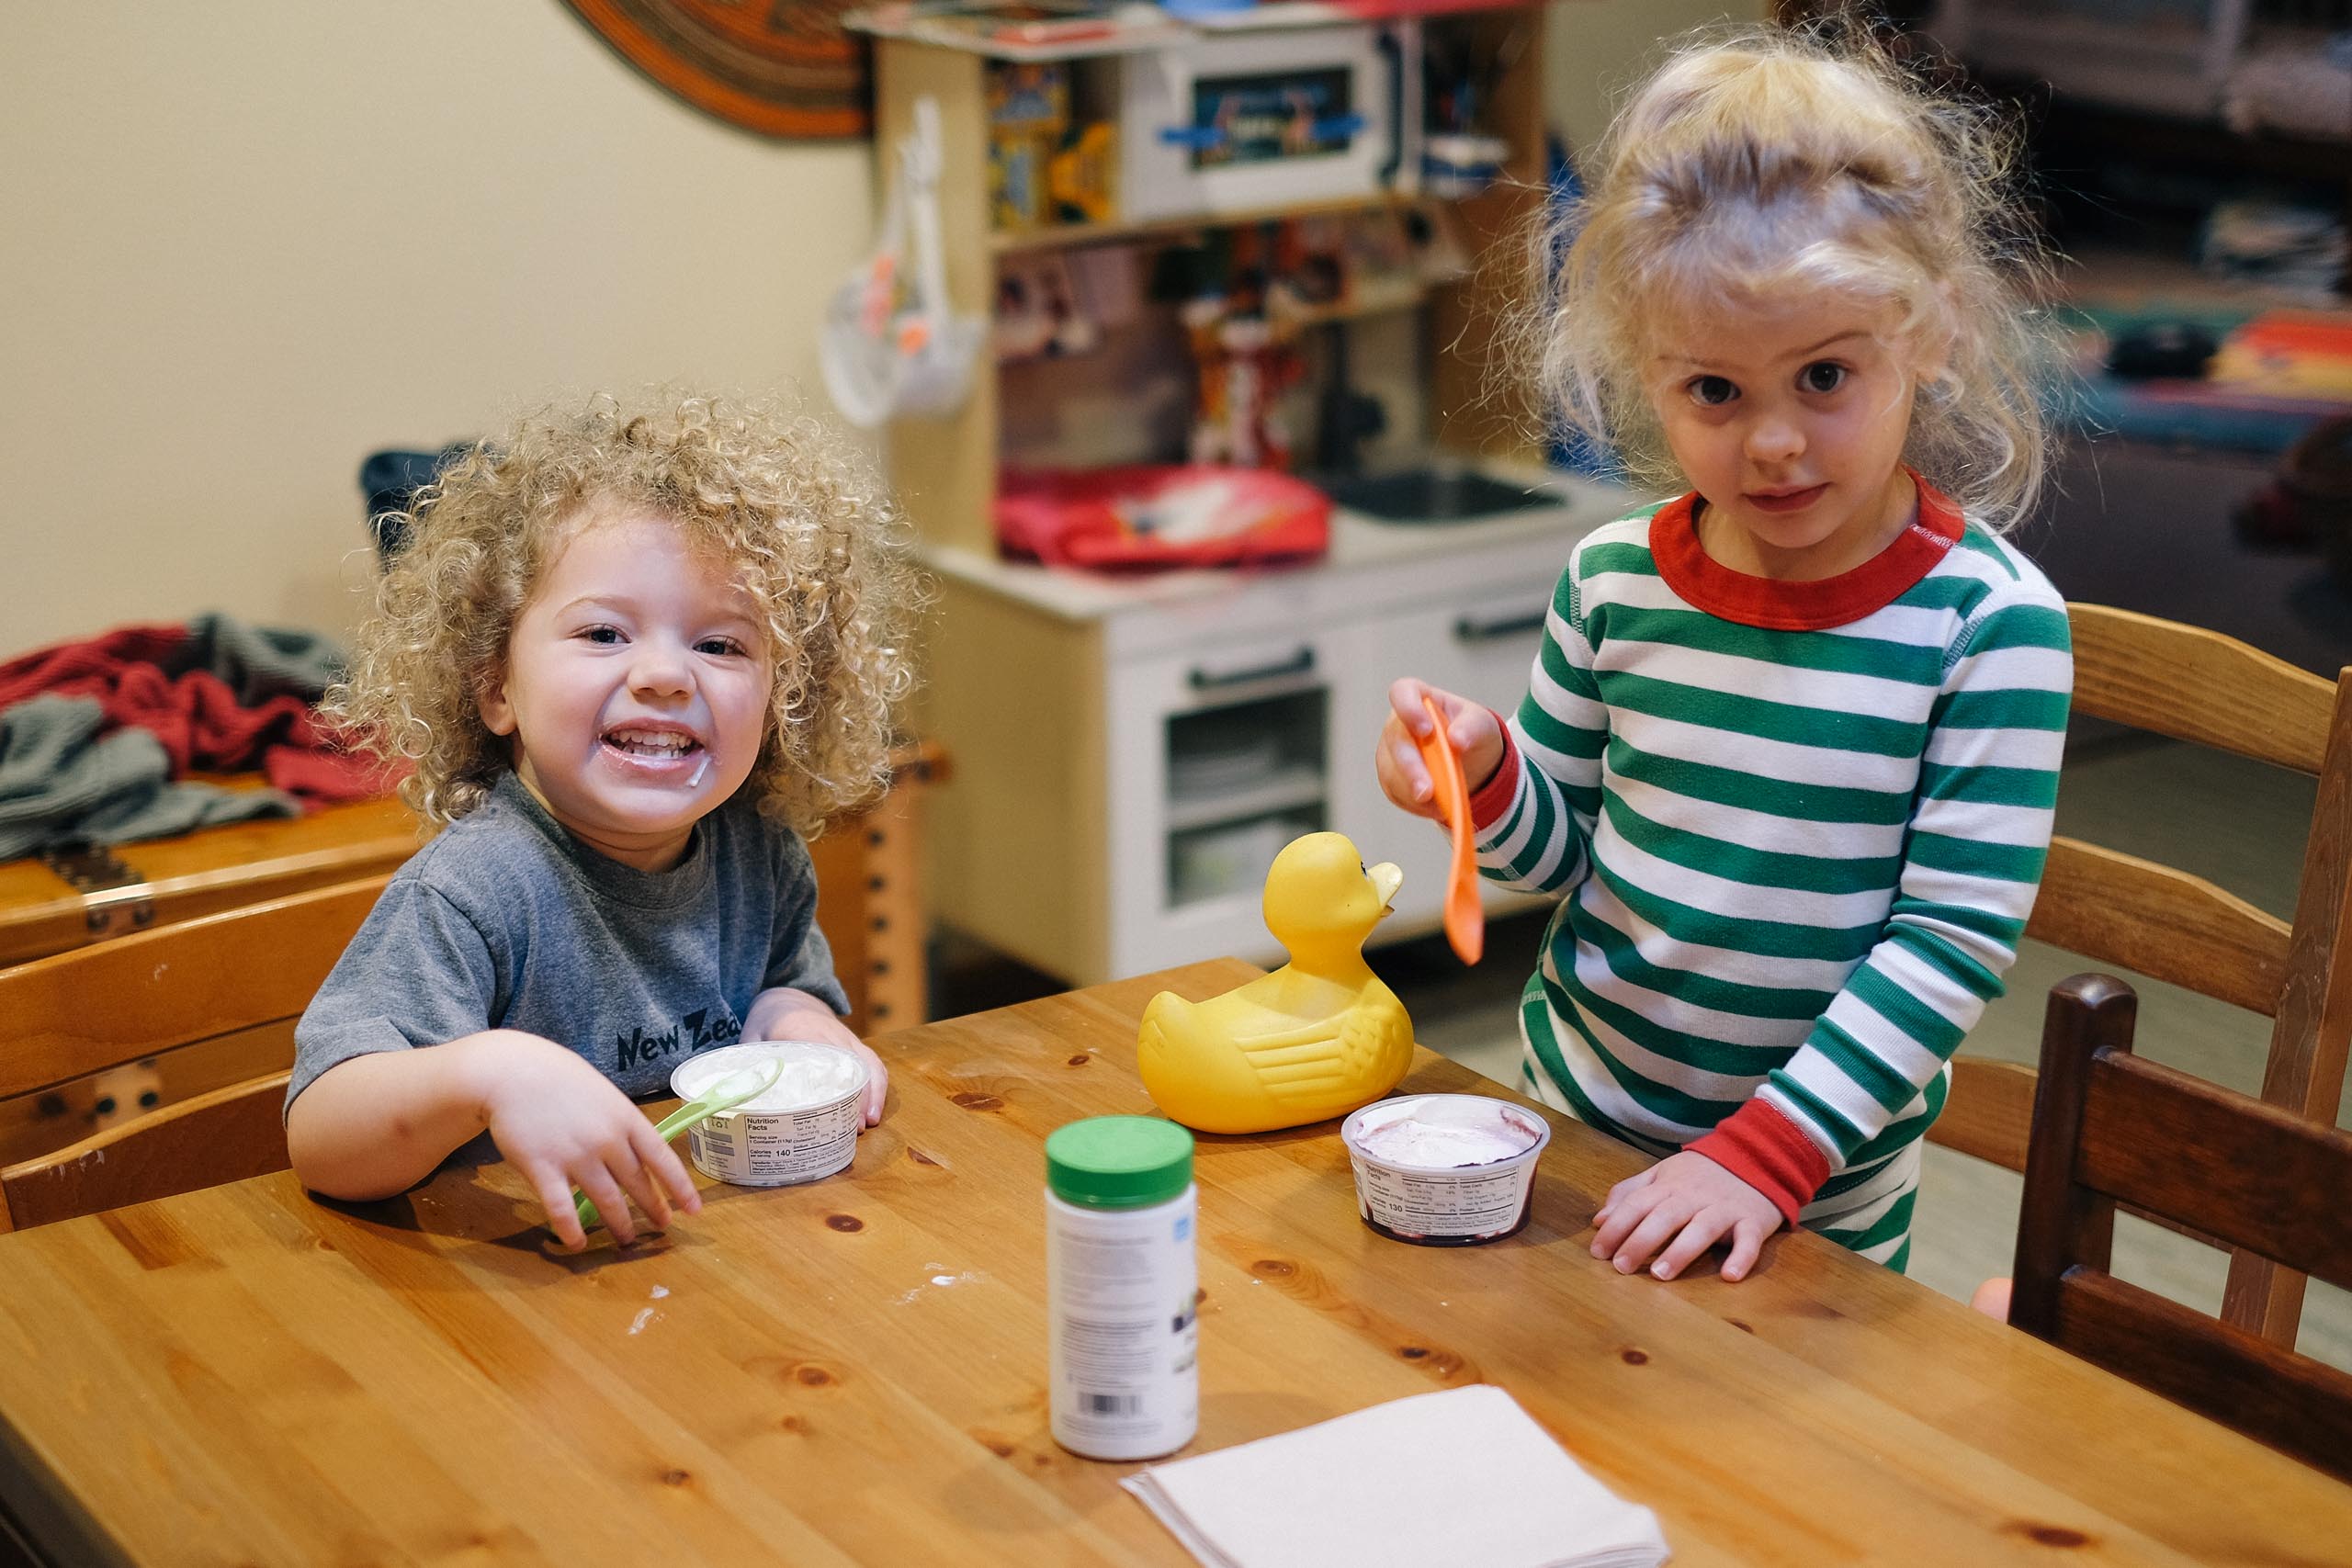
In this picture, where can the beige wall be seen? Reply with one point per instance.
(243, 243)
(1597, 48)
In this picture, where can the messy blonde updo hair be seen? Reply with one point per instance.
(1776, 163)
(774, 495)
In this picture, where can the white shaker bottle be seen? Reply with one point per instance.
(1121, 1287)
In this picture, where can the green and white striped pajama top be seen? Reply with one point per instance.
(1799, 828)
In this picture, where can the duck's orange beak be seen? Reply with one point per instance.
(1386, 880)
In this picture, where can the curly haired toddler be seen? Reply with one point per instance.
(632, 655)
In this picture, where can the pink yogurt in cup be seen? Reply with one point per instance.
(1444, 1169)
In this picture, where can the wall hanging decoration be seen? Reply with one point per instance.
(782, 68)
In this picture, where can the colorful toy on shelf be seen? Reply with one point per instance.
(1317, 1038)
(1028, 106)
(1243, 355)
(1082, 179)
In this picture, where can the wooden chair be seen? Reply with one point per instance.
(2112, 1128)
(224, 989)
(2200, 686)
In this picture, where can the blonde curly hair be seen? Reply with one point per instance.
(774, 494)
(1773, 162)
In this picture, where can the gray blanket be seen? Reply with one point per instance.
(61, 783)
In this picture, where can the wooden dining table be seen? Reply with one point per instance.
(854, 1370)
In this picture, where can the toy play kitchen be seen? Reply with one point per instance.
(1214, 240)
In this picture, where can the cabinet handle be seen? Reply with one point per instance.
(1467, 630)
(1299, 663)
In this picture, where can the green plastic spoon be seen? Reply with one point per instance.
(744, 1083)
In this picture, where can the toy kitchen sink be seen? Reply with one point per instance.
(1432, 493)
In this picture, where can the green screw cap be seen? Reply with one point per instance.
(1118, 1162)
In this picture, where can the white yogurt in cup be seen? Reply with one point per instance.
(1444, 1169)
(802, 1127)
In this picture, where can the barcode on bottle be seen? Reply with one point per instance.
(1111, 1404)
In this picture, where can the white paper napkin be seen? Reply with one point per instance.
(1436, 1480)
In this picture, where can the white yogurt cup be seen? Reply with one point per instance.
(803, 1127)
(1444, 1169)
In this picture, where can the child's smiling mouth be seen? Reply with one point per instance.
(651, 745)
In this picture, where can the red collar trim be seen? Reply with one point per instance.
(1710, 585)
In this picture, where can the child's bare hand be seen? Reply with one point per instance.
(563, 1124)
(1404, 778)
(1675, 1211)
(787, 1014)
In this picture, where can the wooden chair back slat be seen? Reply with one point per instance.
(2294, 1403)
(2166, 924)
(77, 1012)
(225, 1134)
(1989, 1111)
(2226, 1164)
(2196, 685)
(228, 987)
(2109, 1130)
(2313, 1032)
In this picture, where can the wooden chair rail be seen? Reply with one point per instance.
(75, 1012)
(2162, 676)
(2167, 924)
(2248, 1173)
(2294, 1403)
(225, 1134)
(2196, 685)
(2109, 1129)
(1989, 1111)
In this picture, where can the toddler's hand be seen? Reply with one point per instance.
(563, 1124)
(788, 1014)
(1404, 778)
(1685, 1203)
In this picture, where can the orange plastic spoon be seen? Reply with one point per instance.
(1465, 918)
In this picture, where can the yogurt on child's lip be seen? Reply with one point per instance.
(809, 1074)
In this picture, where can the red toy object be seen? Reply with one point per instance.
(1148, 518)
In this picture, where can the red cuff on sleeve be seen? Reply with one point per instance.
(1488, 801)
(1766, 1150)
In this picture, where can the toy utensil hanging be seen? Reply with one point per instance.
(1466, 920)
(890, 345)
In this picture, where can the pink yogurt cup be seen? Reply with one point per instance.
(1445, 1170)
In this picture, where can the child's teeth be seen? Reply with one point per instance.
(654, 745)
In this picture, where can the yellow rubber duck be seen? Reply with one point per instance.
(1314, 1039)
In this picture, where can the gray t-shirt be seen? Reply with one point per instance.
(506, 921)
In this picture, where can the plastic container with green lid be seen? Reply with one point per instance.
(1118, 1162)
(1121, 1287)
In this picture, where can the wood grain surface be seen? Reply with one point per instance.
(854, 1371)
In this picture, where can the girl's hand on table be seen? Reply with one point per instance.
(564, 1124)
(785, 1013)
(1675, 1211)
(1404, 777)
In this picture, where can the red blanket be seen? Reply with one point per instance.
(176, 680)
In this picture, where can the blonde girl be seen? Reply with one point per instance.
(633, 653)
(1791, 745)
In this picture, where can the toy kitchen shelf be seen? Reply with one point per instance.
(1130, 752)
